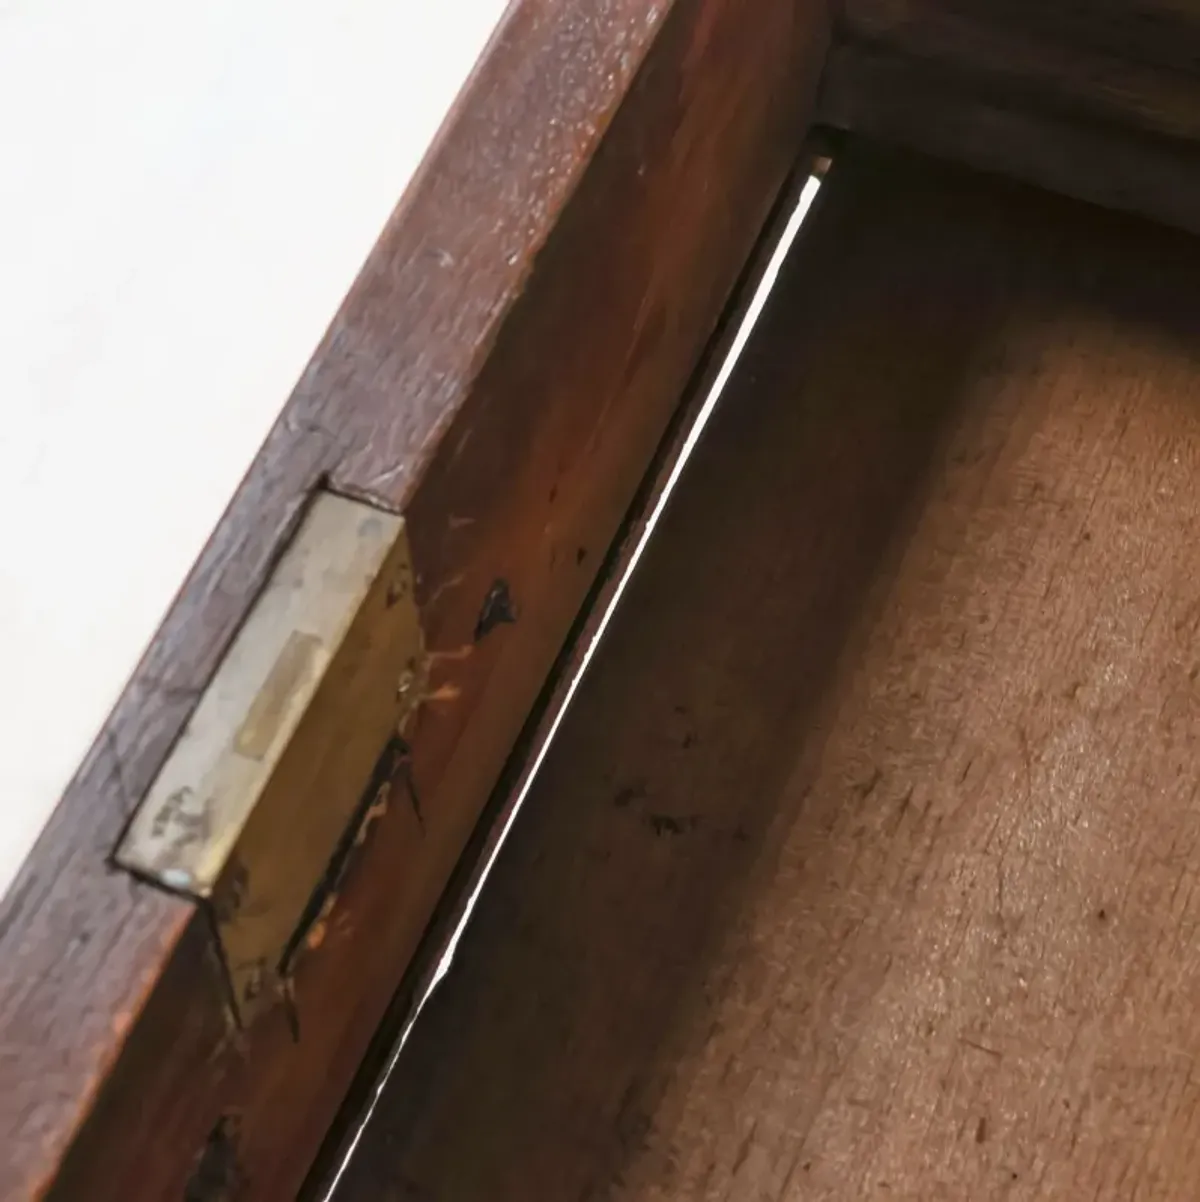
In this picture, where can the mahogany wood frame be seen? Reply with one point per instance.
(501, 374)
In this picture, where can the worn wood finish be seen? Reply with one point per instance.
(492, 828)
(1130, 63)
(504, 389)
(864, 865)
(1152, 33)
(939, 110)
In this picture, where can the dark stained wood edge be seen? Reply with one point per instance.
(1120, 62)
(473, 866)
(1153, 33)
(650, 141)
(875, 91)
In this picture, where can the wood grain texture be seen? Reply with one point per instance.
(1128, 63)
(865, 863)
(937, 109)
(1153, 33)
(473, 866)
(501, 373)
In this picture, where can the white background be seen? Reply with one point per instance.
(186, 193)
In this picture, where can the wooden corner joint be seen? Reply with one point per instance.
(261, 800)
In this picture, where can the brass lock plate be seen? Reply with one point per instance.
(249, 808)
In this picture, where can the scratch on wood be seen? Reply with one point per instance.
(128, 801)
(979, 1047)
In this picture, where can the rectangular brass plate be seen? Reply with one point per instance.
(247, 811)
